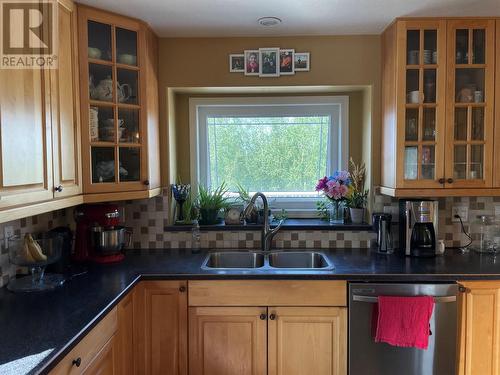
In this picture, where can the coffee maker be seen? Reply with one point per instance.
(99, 236)
(418, 220)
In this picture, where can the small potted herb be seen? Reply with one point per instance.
(357, 196)
(210, 202)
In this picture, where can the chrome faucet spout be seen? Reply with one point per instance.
(267, 233)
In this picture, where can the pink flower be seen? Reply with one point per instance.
(321, 183)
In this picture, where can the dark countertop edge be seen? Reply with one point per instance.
(327, 275)
(289, 224)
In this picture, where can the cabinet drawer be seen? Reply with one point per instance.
(267, 293)
(87, 349)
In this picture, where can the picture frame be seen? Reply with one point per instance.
(236, 63)
(269, 62)
(287, 63)
(302, 61)
(252, 62)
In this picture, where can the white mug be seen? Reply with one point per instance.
(478, 96)
(413, 97)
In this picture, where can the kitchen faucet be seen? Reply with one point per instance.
(267, 233)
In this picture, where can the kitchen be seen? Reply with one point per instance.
(104, 174)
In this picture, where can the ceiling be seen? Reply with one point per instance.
(228, 18)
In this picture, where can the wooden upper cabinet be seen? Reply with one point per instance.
(119, 103)
(470, 103)
(414, 85)
(160, 328)
(65, 106)
(496, 160)
(307, 340)
(480, 328)
(438, 107)
(25, 138)
(227, 340)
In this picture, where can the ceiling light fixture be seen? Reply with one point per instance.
(269, 21)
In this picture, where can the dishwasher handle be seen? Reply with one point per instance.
(369, 299)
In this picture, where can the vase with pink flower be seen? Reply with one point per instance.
(335, 189)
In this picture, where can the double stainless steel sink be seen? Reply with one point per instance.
(257, 260)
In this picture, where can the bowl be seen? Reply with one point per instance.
(127, 59)
(28, 252)
(94, 53)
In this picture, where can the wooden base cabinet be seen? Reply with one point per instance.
(480, 328)
(307, 340)
(228, 340)
(279, 332)
(160, 328)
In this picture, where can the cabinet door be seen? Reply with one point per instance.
(160, 324)
(470, 100)
(104, 362)
(421, 61)
(125, 336)
(227, 340)
(496, 161)
(307, 340)
(25, 144)
(112, 70)
(480, 329)
(65, 106)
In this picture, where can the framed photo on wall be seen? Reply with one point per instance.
(269, 62)
(302, 61)
(252, 62)
(237, 63)
(287, 66)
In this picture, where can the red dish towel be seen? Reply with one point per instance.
(404, 321)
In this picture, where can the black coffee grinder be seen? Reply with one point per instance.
(418, 220)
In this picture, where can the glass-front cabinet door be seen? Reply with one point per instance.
(421, 103)
(469, 131)
(113, 135)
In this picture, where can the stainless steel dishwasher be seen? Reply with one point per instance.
(369, 358)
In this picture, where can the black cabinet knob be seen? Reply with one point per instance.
(77, 362)
(272, 316)
(462, 289)
(450, 180)
(441, 180)
(182, 289)
(146, 182)
(58, 188)
(263, 316)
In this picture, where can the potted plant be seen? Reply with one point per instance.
(357, 196)
(335, 189)
(253, 216)
(211, 202)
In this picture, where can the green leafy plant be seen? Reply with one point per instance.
(358, 196)
(213, 199)
(322, 209)
(282, 215)
(189, 210)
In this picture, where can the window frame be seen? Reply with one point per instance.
(336, 106)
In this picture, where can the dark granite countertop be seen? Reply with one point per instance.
(39, 329)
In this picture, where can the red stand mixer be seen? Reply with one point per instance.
(99, 236)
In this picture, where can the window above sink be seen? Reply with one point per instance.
(280, 145)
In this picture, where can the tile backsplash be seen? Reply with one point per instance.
(149, 217)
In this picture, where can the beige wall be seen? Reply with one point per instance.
(335, 61)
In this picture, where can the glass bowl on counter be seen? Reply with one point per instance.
(35, 254)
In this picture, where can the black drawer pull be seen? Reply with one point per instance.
(77, 362)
